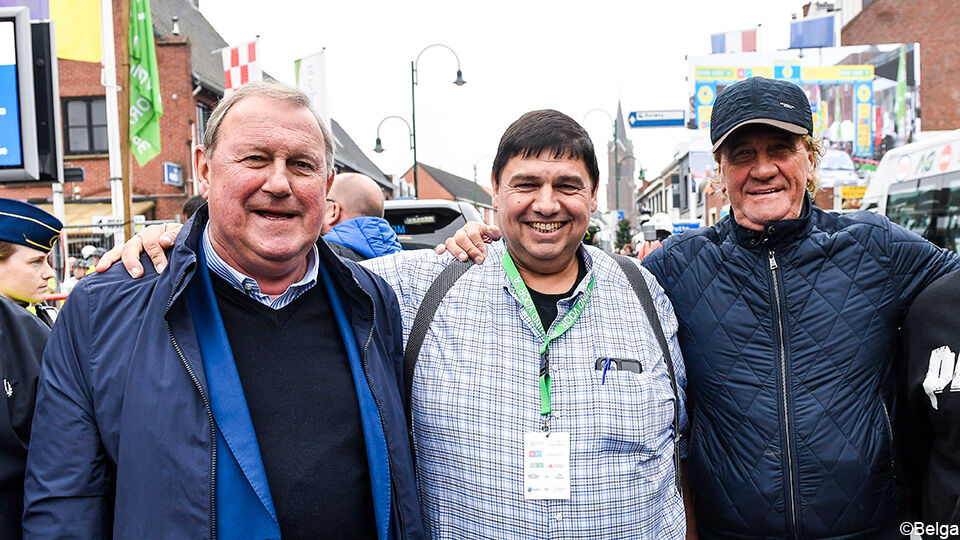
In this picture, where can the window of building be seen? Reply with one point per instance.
(203, 115)
(85, 120)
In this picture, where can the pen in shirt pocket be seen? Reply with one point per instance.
(607, 363)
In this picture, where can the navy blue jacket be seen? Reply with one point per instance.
(123, 431)
(788, 337)
(364, 237)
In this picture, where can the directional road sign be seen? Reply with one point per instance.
(643, 119)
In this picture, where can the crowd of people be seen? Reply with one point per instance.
(247, 379)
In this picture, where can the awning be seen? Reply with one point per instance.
(79, 214)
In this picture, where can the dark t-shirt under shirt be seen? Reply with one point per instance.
(546, 304)
(300, 392)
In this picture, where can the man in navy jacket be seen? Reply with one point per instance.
(788, 325)
(252, 389)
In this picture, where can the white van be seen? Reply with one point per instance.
(918, 186)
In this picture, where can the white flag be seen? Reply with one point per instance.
(311, 77)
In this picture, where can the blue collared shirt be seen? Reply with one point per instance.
(476, 392)
(249, 286)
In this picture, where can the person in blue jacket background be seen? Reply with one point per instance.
(353, 223)
(252, 389)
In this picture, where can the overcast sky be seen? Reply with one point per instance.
(516, 56)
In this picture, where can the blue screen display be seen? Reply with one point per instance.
(10, 142)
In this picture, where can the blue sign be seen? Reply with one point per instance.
(619, 215)
(172, 174)
(808, 33)
(642, 119)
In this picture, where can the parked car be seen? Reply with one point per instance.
(837, 169)
(424, 223)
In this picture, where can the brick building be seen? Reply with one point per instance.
(932, 23)
(437, 184)
(191, 83)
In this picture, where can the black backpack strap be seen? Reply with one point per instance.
(635, 277)
(428, 308)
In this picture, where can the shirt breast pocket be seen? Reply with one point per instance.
(633, 415)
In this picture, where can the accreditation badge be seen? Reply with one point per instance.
(546, 465)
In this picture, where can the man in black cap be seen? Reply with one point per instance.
(788, 317)
(26, 235)
(788, 321)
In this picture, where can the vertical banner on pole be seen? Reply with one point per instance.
(145, 106)
(863, 139)
(706, 95)
(901, 96)
(311, 77)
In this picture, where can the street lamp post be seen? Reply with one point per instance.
(413, 100)
(378, 148)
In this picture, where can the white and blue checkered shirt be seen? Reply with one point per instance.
(249, 286)
(476, 393)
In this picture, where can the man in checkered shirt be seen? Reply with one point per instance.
(477, 394)
(542, 404)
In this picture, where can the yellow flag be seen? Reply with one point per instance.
(77, 29)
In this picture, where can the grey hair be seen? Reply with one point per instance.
(277, 92)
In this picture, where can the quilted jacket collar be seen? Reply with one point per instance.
(775, 233)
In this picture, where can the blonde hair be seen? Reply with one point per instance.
(812, 144)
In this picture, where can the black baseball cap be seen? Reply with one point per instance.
(758, 100)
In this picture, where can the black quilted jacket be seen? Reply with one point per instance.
(788, 337)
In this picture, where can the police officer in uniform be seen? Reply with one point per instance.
(26, 235)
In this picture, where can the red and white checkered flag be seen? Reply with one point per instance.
(241, 64)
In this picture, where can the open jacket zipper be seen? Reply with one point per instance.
(383, 427)
(206, 404)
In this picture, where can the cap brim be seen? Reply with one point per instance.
(786, 126)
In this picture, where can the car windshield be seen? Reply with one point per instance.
(837, 160)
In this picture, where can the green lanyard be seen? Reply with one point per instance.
(565, 324)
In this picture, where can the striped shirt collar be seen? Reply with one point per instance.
(249, 286)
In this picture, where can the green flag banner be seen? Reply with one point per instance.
(145, 106)
(901, 96)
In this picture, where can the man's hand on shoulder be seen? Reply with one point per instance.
(153, 240)
(469, 242)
